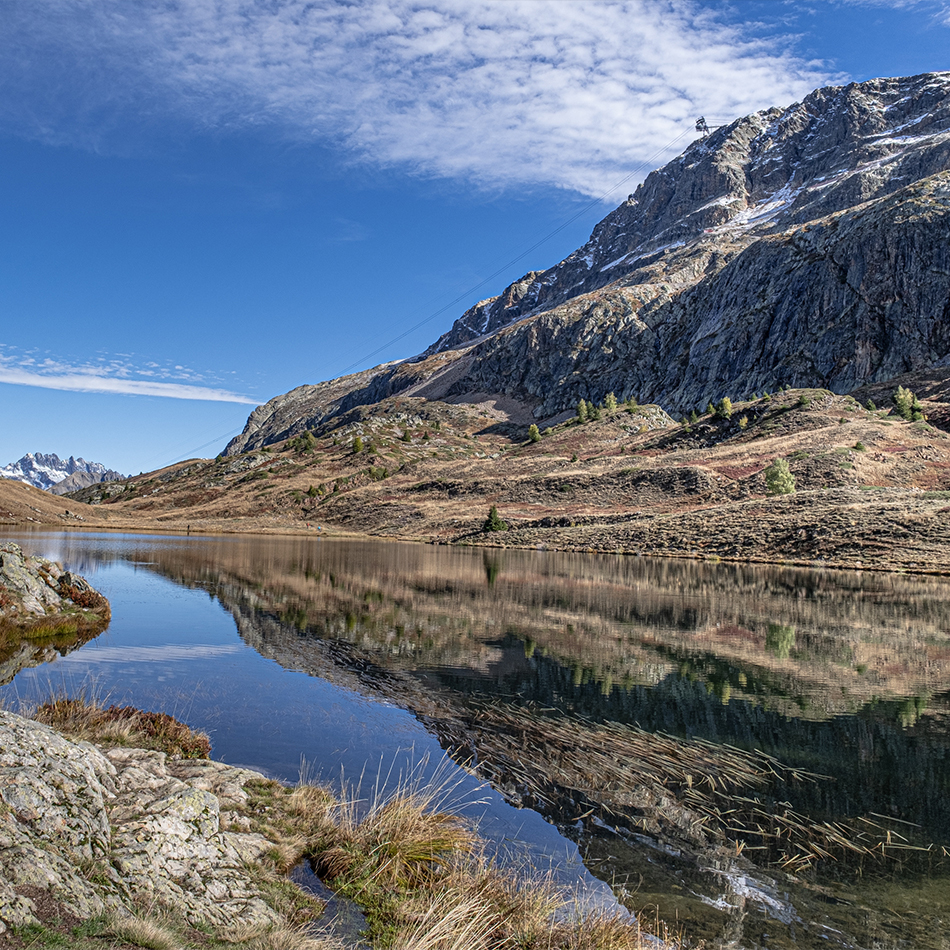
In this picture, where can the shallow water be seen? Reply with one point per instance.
(349, 654)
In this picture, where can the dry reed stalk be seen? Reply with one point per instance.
(602, 764)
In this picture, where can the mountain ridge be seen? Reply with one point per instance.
(667, 274)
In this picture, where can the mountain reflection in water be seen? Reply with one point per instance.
(527, 662)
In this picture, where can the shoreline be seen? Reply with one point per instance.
(201, 852)
(330, 533)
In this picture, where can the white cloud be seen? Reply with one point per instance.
(519, 92)
(108, 376)
(78, 382)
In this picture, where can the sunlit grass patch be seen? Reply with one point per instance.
(85, 718)
(143, 932)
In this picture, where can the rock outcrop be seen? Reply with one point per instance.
(33, 588)
(96, 830)
(801, 246)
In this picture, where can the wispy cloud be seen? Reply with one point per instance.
(110, 375)
(519, 92)
(936, 10)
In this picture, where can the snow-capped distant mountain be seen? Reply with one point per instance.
(48, 471)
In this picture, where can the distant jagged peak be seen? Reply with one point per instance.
(43, 470)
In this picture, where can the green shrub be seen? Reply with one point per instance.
(493, 522)
(357, 445)
(303, 443)
(743, 422)
(778, 478)
(803, 400)
(908, 406)
(723, 408)
(533, 434)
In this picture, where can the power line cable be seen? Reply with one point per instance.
(467, 293)
(496, 273)
(190, 452)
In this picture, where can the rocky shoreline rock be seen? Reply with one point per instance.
(97, 830)
(37, 591)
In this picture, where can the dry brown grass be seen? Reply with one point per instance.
(479, 907)
(402, 839)
(141, 931)
(85, 718)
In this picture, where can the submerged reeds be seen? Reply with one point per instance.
(697, 792)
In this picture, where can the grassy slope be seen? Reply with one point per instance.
(869, 484)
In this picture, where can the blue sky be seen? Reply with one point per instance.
(205, 203)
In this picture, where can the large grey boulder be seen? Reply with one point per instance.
(98, 830)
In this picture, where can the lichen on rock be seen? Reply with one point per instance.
(99, 830)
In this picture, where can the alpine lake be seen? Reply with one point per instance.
(758, 756)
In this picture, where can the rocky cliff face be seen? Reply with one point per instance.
(805, 246)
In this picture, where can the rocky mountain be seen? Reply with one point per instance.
(55, 475)
(804, 246)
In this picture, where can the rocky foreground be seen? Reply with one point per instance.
(95, 831)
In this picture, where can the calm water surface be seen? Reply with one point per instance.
(356, 656)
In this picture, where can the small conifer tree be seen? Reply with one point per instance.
(778, 478)
(723, 408)
(493, 522)
(357, 445)
(582, 411)
(610, 402)
(533, 434)
(908, 405)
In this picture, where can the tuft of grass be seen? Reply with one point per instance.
(85, 718)
(143, 932)
(404, 840)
